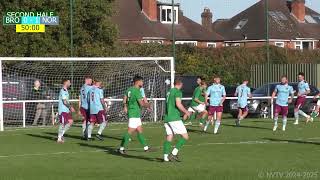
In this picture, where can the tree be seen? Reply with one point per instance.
(93, 31)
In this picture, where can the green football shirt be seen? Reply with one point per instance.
(198, 94)
(172, 111)
(133, 97)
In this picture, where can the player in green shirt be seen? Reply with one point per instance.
(173, 123)
(194, 115)
(199, 103)
(133, 101)
(315, 112)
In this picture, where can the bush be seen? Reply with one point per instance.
(233, 64)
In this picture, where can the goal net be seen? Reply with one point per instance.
(20, 108)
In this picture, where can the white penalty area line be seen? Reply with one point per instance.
(159, 147)
(47, 128)
(46, 154)
(56, 127)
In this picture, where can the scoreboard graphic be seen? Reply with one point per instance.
(34, 21)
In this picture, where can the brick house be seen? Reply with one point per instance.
(291, 25)
(150, 21)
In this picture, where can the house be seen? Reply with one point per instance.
(150, 21)
(291, 25)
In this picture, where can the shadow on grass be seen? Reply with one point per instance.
(113, 151)
(266, 121)
(112, 137)
(51, 138)
(292, 141)
(65, 135)
(198, 131)
(81, 138)
(249, 127)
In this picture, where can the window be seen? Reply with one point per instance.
(317, 18)
(232, 45)
(305, 45)
(211, 45)
(298, 45)
(310, 19)
(281, 16)
(241, 24)
(190, 43)
(166, 14)
(278, 15)
(279, 44)
(152, 41)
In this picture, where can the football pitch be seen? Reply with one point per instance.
(251, 151)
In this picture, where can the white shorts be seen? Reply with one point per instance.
(175, 127)
(200, 108)
(318, 103)
(134, 123)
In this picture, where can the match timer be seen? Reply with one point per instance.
(30, 21)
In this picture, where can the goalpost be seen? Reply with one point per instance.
(18, 105)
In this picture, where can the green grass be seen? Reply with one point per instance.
(252, 151)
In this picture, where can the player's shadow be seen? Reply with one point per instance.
(198, 131)
(263, 121)
(112, 137)
(292, 141)
(66, 135)
(249, 127)
(42, 136)
(112, 151)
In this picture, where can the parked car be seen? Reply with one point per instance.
(256, 105)
(19, 88)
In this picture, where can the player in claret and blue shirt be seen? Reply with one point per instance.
(84, 104)
(244, 93)
(98, 109)
(284, 93)
(303, 91)
(65, 110)
(217, 94)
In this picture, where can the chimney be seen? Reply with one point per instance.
(149, 8)
(207, 19)
(298, 9)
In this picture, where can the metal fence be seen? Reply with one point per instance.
(116, 115)
(259, 75)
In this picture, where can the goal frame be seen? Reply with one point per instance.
(78, 59)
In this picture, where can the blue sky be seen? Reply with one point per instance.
(224, 8)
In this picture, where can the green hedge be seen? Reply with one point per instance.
(233, 64)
